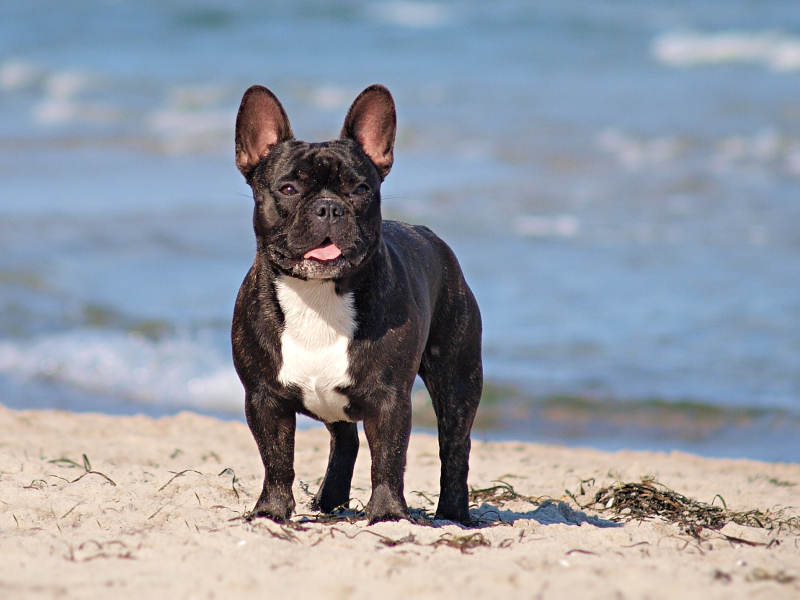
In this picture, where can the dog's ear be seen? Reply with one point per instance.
(372, 122)
(260, 124)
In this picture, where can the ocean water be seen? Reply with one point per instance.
(620, 180)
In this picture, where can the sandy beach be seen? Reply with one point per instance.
(131, 507)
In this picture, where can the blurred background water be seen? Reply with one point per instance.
(619, 180)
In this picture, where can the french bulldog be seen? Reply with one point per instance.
(341, 310)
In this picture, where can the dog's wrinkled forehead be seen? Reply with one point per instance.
(331, 165)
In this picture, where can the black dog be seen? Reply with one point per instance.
(341, 310)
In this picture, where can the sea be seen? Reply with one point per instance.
(619, 179)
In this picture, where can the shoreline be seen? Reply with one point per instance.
(508, 414)
(154, 508)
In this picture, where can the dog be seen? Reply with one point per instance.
(341, 310)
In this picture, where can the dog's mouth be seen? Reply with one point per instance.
(325, 252)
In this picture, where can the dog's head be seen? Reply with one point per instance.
(317, 213)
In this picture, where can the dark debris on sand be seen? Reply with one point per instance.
(650, 499)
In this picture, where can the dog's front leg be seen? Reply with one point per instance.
(273, 429)
(388, 428)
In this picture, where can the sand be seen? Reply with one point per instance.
(168, 526)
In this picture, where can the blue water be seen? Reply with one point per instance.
(621, 182)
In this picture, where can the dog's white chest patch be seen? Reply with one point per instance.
(319, 325)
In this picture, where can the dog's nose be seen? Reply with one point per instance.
(329, 210)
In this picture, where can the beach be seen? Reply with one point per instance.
(618, 182)
(129, 507)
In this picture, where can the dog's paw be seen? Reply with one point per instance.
(328, 507)
(328, 500)
(456, 515)
(271, 508)
(278, 517)
(258, 514)
(389, 515)
(385, 506)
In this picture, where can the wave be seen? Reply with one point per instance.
(18, 75)
(185, 372)
(686, 48)
(634, 154)
(546, 226)
(181, 132)
(411, 14)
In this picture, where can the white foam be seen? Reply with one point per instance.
(182, 131)
(67, 84)
(195, 118)
(686, 48)
(546, 226)
(16, 75)
(793, 158)
(62, 103)
(634, 153)
(59, 104)
(50, 112)
(178, 371)
(411, 14)
(765, 147)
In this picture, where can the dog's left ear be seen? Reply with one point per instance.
(372, 122)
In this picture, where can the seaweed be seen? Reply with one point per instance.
(87, 467)
(502, 492)
(234, 482)
(650, 499)
(102, 550)
(391, 543)
(464, 543)
(180, 474)
(425, 495)
(340, 514)
(773, 480)
(778, 577)
(420, 516)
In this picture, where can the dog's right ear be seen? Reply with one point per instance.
(260, 124)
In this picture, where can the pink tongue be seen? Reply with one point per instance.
(328, 252)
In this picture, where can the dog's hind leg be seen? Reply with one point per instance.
(335, 489)
(453, 373)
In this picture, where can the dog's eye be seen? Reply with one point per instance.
(361, 190)
(288, 190)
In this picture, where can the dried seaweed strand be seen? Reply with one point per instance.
(650, 499)
(464, 543)
(502, 492)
